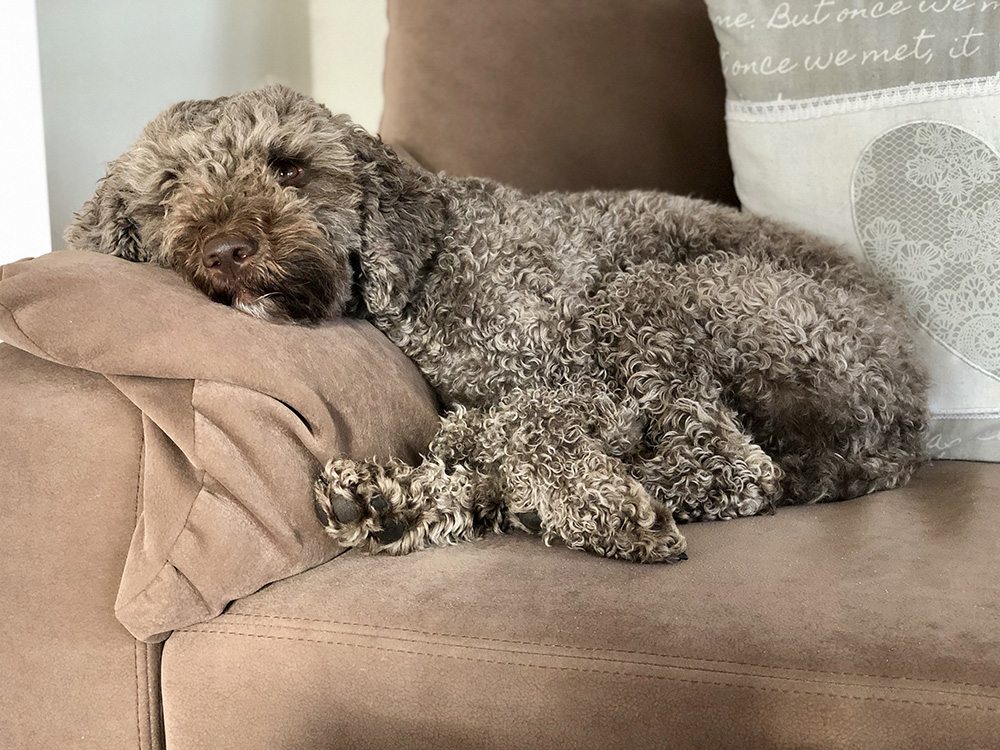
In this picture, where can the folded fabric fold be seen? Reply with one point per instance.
(238, 416)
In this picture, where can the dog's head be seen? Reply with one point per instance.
(255, 198)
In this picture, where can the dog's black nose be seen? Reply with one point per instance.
(226, 253)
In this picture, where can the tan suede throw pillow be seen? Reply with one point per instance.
(238, 415)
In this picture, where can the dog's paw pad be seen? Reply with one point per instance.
(345, 510)
(320, 510)
(337, 504)
(392, 528)
(392, 531)
(531, 521)
(379, 503)
(358, 503)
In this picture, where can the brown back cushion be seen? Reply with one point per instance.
(560, 94)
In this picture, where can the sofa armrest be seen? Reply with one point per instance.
(70, 447)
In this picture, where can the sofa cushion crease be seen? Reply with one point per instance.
(252, 624)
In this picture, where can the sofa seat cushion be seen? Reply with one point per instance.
(870, 623)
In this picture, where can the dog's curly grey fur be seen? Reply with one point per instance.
(610, 362)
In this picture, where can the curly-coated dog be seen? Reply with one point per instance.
(609, 362)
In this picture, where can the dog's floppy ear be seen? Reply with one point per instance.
(400, 218)
(105, 223)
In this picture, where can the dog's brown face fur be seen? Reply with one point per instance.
(252, 197)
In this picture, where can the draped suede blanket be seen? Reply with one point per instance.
(238, 415)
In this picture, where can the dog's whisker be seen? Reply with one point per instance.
(262, 297)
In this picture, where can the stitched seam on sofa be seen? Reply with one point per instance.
(586, 649)
(682, 667)
(135, 645)
(582, 670)
(153, 652)
(138, 718)
(733, 672)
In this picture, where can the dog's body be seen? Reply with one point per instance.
(609, 362)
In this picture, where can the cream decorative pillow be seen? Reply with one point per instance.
(877, 124)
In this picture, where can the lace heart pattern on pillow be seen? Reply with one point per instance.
(927, 215)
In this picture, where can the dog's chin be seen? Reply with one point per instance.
(262, 308)
(308, 291)
(275, 306)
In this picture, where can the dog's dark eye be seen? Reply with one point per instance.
(287, 171)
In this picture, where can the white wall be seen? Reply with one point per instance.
(24, 211)
(348, 56)
(109, 66)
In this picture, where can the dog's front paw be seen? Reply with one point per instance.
(658, 542)
(754, 484)
(359, 504)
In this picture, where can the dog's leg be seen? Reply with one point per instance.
(703, 465)
(532, 463)
(857, 436)
(397, 508)
(557, 453)
(586, 499)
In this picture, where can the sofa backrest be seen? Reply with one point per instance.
(561, 94)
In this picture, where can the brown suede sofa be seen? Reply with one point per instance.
(868, 624)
